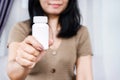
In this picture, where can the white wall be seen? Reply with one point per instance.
(111, 38)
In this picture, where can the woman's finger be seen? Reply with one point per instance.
(29, 49)
(40, 56)
(23, 62)
(32, 41)
(50, 42)
(27, 56)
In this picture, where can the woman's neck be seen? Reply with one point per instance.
(53, 22)
(54, 29)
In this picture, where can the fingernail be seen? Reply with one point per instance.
(40, 48)
(32, 65)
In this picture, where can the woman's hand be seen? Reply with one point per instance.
(29, 52)
(23, 56)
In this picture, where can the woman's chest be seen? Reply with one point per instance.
(64, 55)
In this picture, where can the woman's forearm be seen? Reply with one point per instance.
(84, 68)
(16, 72)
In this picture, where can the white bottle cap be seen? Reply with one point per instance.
(40, 19)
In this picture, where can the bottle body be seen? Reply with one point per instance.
(41, 32)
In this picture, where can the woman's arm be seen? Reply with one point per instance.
(84, 68)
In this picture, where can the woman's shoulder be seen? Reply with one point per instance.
(23, 24)
(82, 31)
(19, 31)
(22, 27)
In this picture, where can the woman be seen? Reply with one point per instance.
(69, 45)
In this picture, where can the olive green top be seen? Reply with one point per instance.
(56, 64)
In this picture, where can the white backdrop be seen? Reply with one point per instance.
(103, 21)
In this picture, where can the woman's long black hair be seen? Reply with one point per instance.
(69, 20)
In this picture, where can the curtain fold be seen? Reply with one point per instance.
(5, 7)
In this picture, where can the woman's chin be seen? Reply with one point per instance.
(54, 13)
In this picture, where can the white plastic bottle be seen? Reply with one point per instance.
(40, 30)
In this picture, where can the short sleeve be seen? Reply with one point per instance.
(84, 44)
(18, 32)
